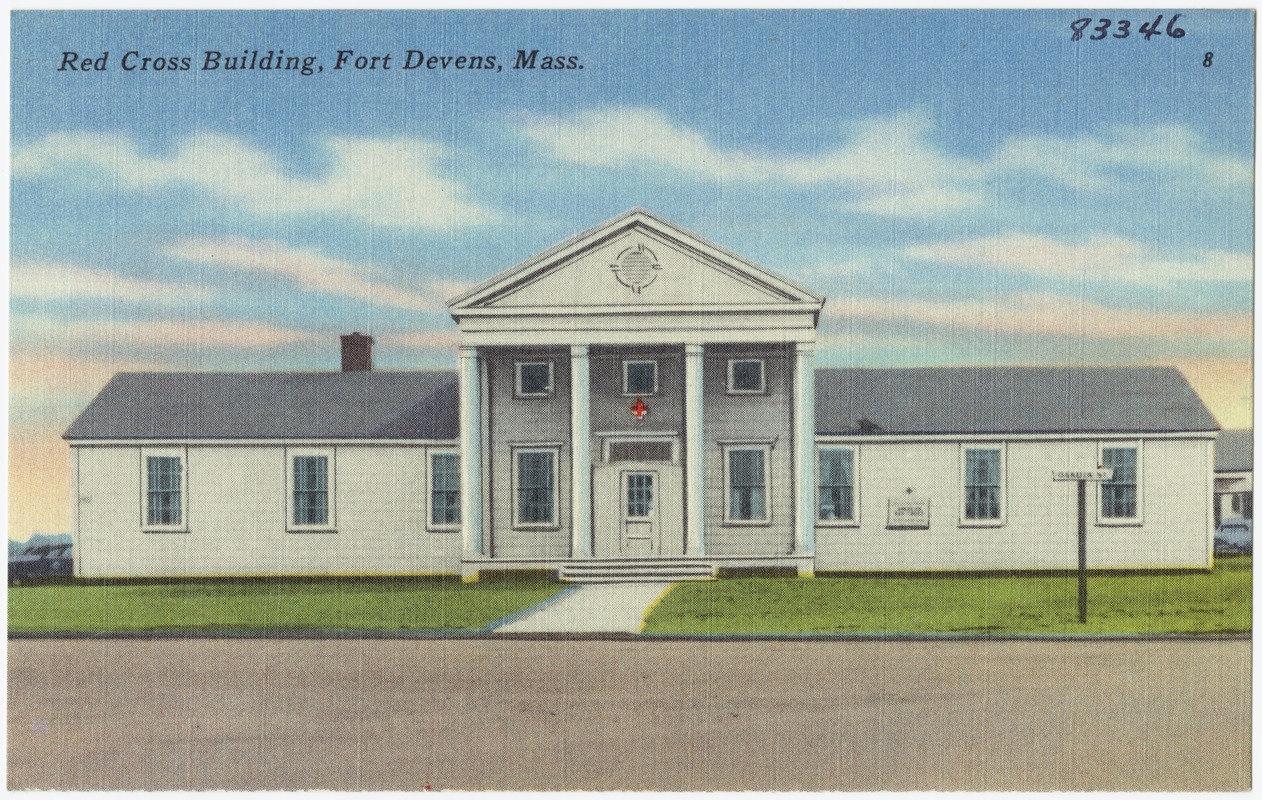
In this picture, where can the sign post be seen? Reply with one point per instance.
(1082, 477)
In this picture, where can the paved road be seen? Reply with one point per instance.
(497, 714)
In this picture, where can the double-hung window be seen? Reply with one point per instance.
(311, 480)
(164, 492)
(836, 484)
(983, 485)
(1119, 498)
(747, 484)
(535, 478)
(444, 490)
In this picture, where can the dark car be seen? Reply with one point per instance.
(42, 561)
(1234, 537)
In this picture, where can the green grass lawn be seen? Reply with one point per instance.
(267, 605)
(1138, 603)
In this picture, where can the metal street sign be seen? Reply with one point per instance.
(1082, 474)
(1082, 477)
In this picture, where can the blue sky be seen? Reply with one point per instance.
(964, 187)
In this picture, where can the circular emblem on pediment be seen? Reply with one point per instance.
(636, 267)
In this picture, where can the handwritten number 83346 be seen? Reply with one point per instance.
(1122, 28)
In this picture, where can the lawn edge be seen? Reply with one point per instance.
(489, 634)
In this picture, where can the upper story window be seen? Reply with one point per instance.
(745, 376)
(983, 484)
(164, 491)
(1119, 498)
(444, 491)
(534, 378)
(639, 378)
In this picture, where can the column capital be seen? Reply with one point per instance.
(694, 349)
(578, 351)
(804, 348)
(467, 351)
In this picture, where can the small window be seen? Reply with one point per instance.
(534, 378)
(747, 484)
(311, 490)
(536, 487)
(163, 496)
(836, 484)
(444, 492)
(745, 376)
(983, 476)
(1119, 498)
(639, 378)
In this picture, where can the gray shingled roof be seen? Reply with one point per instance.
(424, 405)
(1007, 400)
(273, 405)
(1234, 451)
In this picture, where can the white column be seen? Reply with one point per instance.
(694, 447)
(580, 452)
(471, 451)
(804, 447)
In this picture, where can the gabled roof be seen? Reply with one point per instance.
(425, 405)
(273, 405)
(1234, 451)
(775, 287)
(975, 400)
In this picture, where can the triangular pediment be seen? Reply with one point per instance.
(635, 260)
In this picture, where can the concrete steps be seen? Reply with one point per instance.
(618, 570)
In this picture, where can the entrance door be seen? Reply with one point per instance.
(637, 510)
(641, 532)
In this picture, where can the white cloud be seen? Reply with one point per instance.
(892, 164)
(888, 162)
(1093, 162)
(44, 280)
(315, 272)
(158, 333)
(1102, 258)
(389, 182)
(1045, 314)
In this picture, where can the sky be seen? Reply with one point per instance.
(966, 188)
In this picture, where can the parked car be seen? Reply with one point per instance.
(42, 561)
(1234, 536)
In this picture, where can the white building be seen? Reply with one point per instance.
(1233, 475)
(637, 400)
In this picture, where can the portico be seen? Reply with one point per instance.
(636, 393)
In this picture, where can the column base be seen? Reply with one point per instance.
(806, 570)
(469, 577)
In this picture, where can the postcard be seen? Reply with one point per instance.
(651, 400)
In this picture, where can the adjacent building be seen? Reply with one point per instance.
(637, 401)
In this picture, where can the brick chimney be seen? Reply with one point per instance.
(356, 352)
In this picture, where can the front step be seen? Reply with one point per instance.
(635, 571)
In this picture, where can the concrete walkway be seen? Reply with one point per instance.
(592, 608)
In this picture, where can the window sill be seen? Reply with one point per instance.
(443, 528)
(982, 523)
(837, 523)
(1120, 523)
(746, 391)
(311, 529)
(540, 396)
(536, 526)
(164, 529)
(746, 523)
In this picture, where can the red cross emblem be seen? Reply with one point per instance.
(639, 409)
